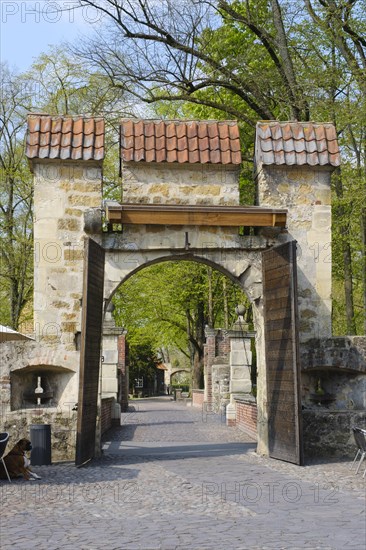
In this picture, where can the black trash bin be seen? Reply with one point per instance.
(40, 435)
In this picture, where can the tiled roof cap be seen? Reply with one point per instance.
(181, 141)
(297, 143)
(65, 137)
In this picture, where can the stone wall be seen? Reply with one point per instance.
(334, 373)
(150, 183)
(63, 193)
(305, 192)
(63, 429)
(21, 362)
(329, 433)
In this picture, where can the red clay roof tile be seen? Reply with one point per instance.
(55, 152)
(150, 155)
(76, 153)
(215, 144)
(181, 130)
(276, 132)
(323, 158)
(226, 157)
(223, 131)
(181, 141)
(312, 159)
(225, 144)
(280, 157)
(159, 143)
(171, 141)
(65, 137)
(290, 158)
(128, 154)
(34, 125)
(193, 144)
(319, 132)
(194, 156)
(150, 143)
(149, 130)
(78, 126)
(139, 142)
(77, 140)
(183, 156)
(43, 152)
(139, 154)
(311, 146)
(297, 143)
(204, 156)
(88, 154)
(160, 155)
(301, 158)
(171, 156)
(235, 157)
(202, 130)
(215, 156)
(45, 125)
(182, 144)
(159, 128)
(89, 126)
(333, 147)
(212, 130)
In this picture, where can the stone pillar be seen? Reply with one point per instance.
(110, 362)
(240, 363)
(240, 366)
(305, 192)
(220, 382)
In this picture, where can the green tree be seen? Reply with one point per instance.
(142, 365)
(16, 201)
(169, 305)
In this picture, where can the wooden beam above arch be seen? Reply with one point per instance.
(218, 216)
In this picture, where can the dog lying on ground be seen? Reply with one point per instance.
(17, 462)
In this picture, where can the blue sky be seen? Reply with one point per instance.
(28, 27)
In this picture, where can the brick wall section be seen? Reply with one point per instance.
(122, 373)
(106, 414)
(197, 398)
(210, 353)
(246, 416)
(222, 343)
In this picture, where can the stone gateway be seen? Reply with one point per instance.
(180, 201)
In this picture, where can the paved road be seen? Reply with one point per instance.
(174, 478)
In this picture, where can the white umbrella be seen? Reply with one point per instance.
(7, 334)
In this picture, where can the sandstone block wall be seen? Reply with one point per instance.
(63, 192)
(148, 183)
(305, 192)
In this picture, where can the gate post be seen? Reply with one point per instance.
(262, 399)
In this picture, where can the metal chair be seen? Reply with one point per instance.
(360, 438)
(4, 436)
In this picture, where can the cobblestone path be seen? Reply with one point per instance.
(175, 478)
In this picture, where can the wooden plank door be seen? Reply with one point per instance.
(91, 335)
(282, 352)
